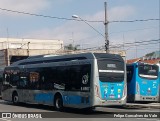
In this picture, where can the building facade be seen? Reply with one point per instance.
(13, 49)
(151, 58)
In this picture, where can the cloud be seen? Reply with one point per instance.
(139, 49)
(115, 13)
(67, 32)
(72, 32)
(121, 12)
(80, 31)
(33, 6)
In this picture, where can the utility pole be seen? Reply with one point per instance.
(7, 50)
(28, 48)
(106, 29)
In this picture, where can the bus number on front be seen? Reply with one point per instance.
(85, 88)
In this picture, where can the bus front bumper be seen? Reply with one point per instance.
(111, 102)
(146, 98)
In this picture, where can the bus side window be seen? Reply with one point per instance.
(62, 78)
(34, 80)
(75, 78)
(23, 83)
(1, 76)
(6, 79)
(47, 78)
(15, 79)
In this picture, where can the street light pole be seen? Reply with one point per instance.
(75, 16)
(106, 29)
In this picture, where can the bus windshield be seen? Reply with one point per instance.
(148, 71)
(111, 70)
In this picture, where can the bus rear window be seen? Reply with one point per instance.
(148, 71)
(110, 70)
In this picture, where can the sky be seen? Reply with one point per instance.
(143, 35)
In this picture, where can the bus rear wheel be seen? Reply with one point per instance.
(58, 103)
(15, 98)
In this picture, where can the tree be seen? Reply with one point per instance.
(71, 47)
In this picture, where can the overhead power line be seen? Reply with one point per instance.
(142, 41)
(63, 18)
(141, 20)
(142, 44)
(32, 14)
(129, 47)
(133, 30)
(139, 43)
(40, 15)
(150, 42)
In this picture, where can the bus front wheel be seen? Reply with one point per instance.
(15, 98)
(58, 103)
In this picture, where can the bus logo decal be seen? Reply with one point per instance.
(85, 79)
(119, 90)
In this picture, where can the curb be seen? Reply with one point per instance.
(134, 105)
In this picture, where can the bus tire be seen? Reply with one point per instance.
(89, 110)
(15, 98)
(58, 103)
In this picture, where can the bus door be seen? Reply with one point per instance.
(41, 85)
(10, 82)
(78, 85)
(23, 86)
(33, 86)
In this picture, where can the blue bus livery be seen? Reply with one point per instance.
(79, 80)
(142, 82)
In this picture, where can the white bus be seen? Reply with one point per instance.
(84, 80)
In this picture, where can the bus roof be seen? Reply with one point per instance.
(140, 63)
(68, 57)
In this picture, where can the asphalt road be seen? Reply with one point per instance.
(100, 114)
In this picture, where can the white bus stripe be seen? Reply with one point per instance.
(148, 76)
(112, 71)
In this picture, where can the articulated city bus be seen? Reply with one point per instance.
(142, 82)
(79, 80)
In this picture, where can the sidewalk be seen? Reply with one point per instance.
(140, 105)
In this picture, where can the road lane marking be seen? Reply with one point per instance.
(5, 119)
(149, 119)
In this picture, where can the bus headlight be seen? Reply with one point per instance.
(97, 91)
(137, 88)
(125, 90)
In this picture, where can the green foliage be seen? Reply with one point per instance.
(71, 47)
(150, 54)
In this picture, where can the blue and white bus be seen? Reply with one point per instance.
(142, 82)
(159, 80)
(79, 80)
